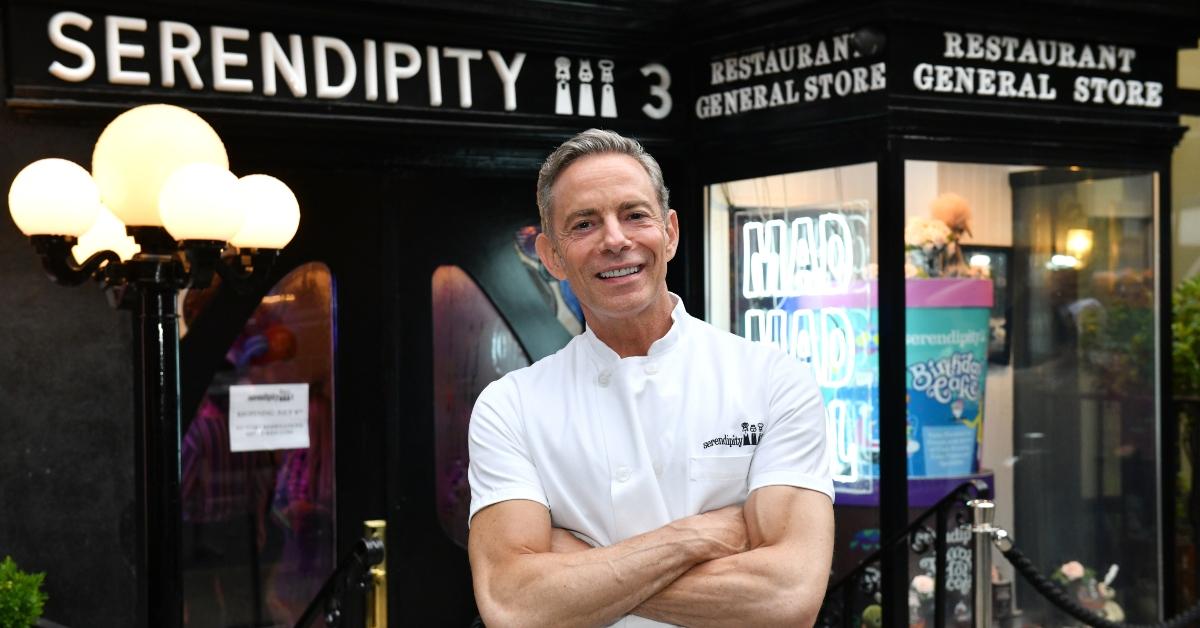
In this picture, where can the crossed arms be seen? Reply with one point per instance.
(766, 563)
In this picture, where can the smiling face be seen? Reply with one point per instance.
(610, 240)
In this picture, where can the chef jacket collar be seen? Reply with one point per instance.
(607, 358)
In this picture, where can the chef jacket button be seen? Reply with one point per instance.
(604, 378)
(651, 368)
(623, 474)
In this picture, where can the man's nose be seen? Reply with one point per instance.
(615, 239)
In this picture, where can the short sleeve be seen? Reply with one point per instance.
(500, 467)
(794, 448)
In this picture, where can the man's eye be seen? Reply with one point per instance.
(582, 224)
(637, 215)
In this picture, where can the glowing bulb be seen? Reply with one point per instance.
(198, 202)
(108, 234)
(53, 197)
(141, 148)
(272, 213)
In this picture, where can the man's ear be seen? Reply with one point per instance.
(672, 234)
(548, 253)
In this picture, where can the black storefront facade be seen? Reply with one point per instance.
(411, 135)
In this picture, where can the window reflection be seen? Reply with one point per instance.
(472, 347)
(259, 524)
(556, 294)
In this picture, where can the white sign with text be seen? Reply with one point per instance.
(264, 417)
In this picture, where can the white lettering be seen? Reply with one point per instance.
(221, 59)
(274, 58)
(433, 69)
(660, 91)
(393, 72)
(115, 50)
(370, 70)
(321, 47)
(169, 55)
(508, 76)
(464, 56)
(87, 59)
(718, 73)
(953, 46)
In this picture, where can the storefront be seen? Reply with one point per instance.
(792, 137)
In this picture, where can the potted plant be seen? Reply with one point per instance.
(21, 596)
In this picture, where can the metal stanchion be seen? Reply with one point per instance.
(983, 513)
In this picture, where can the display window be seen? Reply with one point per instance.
(1030, 353)
(1057, 268)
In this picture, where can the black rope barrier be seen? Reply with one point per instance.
(353, 574)
(1055, 594)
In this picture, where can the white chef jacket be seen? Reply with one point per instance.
(615, 447)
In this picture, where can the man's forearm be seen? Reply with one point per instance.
(591, 587)
(762, 587)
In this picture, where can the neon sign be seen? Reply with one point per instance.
(804, 258)
(823, 337)
(788, 269)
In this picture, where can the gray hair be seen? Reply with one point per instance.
(594, 142)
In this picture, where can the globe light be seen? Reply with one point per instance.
(198, 202)
(140, 148)
(108, 234)
(53, 197)
(272, 213)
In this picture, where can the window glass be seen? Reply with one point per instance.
(1185, 263)
(472, 347)
(258, 496)
(790, 262)
(1057, 266)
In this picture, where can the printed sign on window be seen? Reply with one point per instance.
(268, 416)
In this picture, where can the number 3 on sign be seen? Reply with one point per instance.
(659, 91)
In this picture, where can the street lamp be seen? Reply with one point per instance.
(159, 212)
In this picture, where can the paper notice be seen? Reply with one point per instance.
(264, 417)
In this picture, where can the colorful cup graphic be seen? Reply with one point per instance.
(946, 368)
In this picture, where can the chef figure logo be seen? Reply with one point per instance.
(751, 433)
(585, 105)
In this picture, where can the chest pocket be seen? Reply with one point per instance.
(717, 481)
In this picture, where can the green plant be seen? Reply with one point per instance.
(21, 596)
(1185, 330)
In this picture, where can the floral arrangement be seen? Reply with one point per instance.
(1096, 595)
(932, 244)
(920, 600)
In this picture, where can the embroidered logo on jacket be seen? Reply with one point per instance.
(751, 435)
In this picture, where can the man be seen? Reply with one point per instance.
(608, 480)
